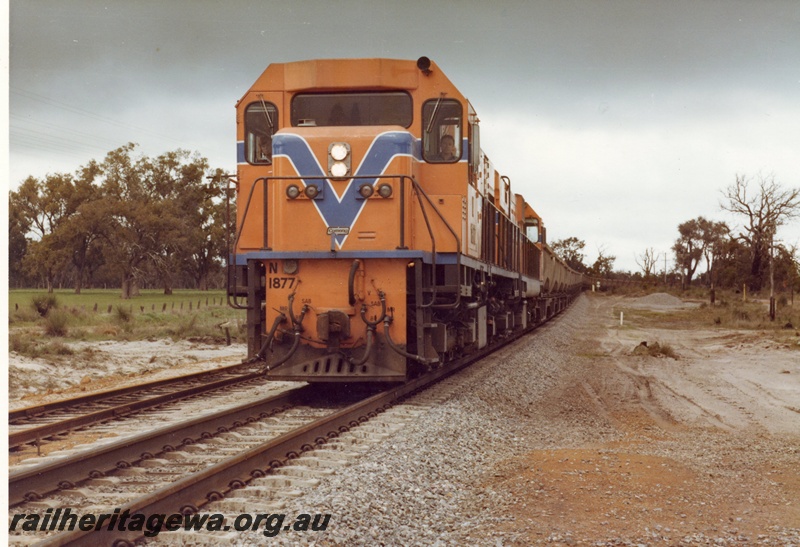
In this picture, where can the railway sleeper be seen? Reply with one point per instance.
(200, 539)
(306, 471)
(237, 505)
(282, 480)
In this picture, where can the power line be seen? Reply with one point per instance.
(35, 140)
(83, 112)
(64, 139)
(53, 128)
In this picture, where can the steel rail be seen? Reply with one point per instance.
(34, 482)
(37, 410)
(34, 434)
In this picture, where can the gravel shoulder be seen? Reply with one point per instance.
(704, 449)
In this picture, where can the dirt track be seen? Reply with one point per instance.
(705, 449)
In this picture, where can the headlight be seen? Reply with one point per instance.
(366, 190)
(339, 151)
(312, 190)
(292, 191)
(385, 190)
(339, 169)
(339, 159)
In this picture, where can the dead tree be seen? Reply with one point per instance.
(765, 210)
(647, 262)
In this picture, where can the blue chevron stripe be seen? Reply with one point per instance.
(344, 210)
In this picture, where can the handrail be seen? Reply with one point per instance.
(433, 248)
(239, 230)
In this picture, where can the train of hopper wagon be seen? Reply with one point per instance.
(374, 238)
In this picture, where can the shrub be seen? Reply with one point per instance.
(59, 348)
(24, 314)
(56, 323)
(21, 344)
(655, 350)
(123, 314)
(663, 350)
(44, 303)
(186, 327)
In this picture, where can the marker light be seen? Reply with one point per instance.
(292, 191)
(290, 266)
(312, 190)
(366, 190)
(385, 190)
(339, 169)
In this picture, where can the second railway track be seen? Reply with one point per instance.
(38, 424)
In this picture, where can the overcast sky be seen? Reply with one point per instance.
(616, 119)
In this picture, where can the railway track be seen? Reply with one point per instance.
(188, 466)
(39, 424)
(132, 468)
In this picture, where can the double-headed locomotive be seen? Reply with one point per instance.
(374, 238)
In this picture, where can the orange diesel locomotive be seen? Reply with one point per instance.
(374, 238)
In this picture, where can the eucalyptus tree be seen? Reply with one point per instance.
(571, 251)
(43, 207)
(764, 209)
(157, 211)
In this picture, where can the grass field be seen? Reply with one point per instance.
(103, 298)
(42, 323)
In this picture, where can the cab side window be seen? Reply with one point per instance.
(441, 130)
(260, 123)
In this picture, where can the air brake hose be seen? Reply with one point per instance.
(298, 329)
(278, 320)
(371, 325)
(363, 359)
(375, 323)
(420, 359)
(288, 355)
(291, 310)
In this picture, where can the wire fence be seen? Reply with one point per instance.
(151, 307)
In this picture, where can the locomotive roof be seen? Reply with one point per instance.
(337, 74)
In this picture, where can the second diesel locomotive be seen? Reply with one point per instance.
(374, 237)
